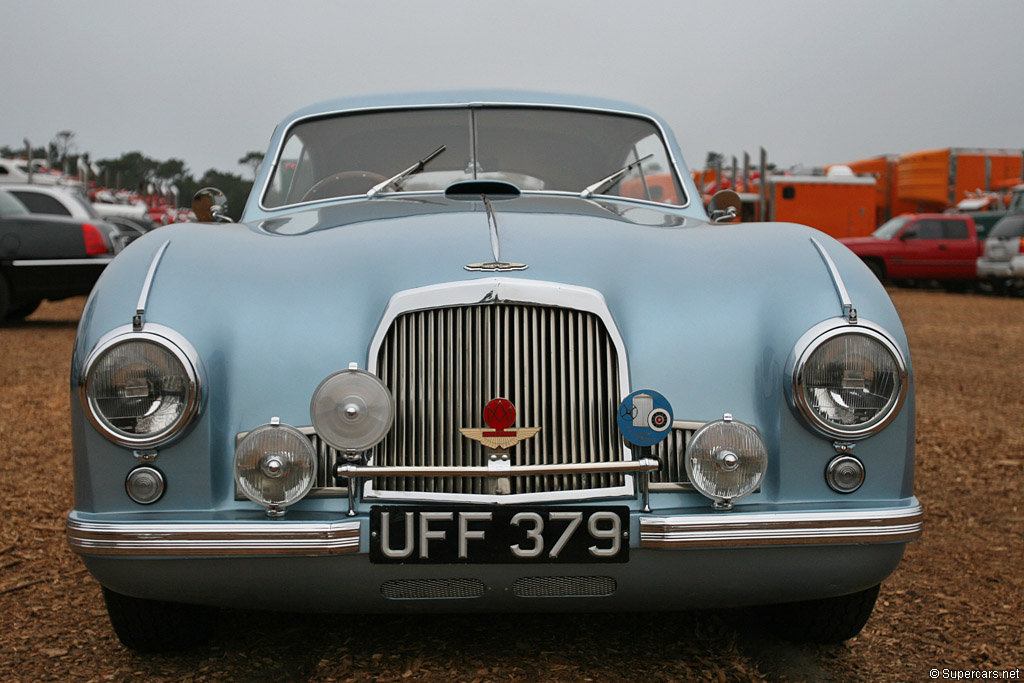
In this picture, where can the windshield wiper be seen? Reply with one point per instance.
(395, 179)
(606, 182)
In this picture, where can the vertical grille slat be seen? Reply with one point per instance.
(558, 366)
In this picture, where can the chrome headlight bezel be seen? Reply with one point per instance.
(182, 352)
(813, 340)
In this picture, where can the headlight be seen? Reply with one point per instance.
(849, 382)
(725, 460)
(140, 389)
(275, 465)
(352, 410)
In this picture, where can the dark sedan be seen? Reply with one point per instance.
(47, 257)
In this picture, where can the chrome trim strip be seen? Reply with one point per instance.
(848, 311)
(99, 260)
(140, 308)
(782, 528)
(470, 106)
(642, 465)
(214, 539)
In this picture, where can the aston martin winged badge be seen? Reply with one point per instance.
(499, 415)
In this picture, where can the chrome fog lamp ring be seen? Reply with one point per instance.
(141, 390)
(352, 410)
(275, 466)
(848, 382)
(726, 460)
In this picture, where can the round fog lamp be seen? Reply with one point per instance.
(352, 410)
(275, 465)
(845, 474)
(145, 485)
(725, 460)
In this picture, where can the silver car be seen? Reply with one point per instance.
(1003, 256)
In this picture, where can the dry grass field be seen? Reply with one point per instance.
(955, 602)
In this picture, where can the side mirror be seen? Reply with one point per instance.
(724, 207)
(211, 206)
(908, 234)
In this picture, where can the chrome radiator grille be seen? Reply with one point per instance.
(558, 366)
(671, 454)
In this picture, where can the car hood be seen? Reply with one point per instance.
(301, 297)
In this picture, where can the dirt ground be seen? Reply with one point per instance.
(955, 603)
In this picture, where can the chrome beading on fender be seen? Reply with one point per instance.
(140, 308)
(214, 539)
(894, 525)
(849, 312)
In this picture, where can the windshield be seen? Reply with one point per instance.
(10, 206)
(536, 149)
(1009, 226)
(888, 230)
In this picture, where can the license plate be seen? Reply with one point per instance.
(498, 535)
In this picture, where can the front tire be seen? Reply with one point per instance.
(157, 626)
(829, 620)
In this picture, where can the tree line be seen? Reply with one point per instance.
(137, 172)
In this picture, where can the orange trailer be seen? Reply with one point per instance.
(885, 170)
(839, 206)
(935, 180)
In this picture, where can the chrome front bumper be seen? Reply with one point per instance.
(302, 538)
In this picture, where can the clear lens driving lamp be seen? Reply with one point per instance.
(275, 466)
(726, 460)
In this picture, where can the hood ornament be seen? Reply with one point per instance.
(497, 264)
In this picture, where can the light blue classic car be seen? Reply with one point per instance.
(487, 351)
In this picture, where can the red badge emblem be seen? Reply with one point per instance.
(499, 416)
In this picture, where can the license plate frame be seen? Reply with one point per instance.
(519, 534)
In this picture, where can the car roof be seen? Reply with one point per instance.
(466, 98)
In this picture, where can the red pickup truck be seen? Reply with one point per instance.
(924, 246)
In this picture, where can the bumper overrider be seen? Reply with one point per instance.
(293, 537)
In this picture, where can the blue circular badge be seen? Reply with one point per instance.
(645, 417)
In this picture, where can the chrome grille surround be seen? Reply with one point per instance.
(507, 321)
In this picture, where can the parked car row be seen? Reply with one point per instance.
(946, 248)
(50, 256)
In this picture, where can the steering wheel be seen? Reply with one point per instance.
(341, 184)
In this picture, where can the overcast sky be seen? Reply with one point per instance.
(813, 82)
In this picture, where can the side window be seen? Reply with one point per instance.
(293, 176)
(927, 230)
(653, 180)
(41, 203)
(956, 230)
